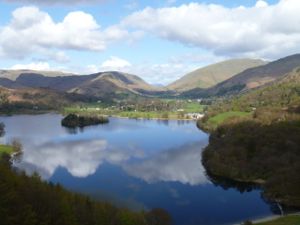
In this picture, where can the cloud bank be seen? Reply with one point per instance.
(261, 30)
(34, 31)
(218, 32)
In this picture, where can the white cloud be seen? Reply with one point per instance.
(115, 63)
(91, 69)
(159, 73)
(32, 66)
(33, 31)
(263, 30)
(261, 4)
(59, 57)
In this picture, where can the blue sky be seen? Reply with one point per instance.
(157, 40)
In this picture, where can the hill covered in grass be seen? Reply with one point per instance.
(249, 79)
(14, 74)
(213, 74)
(101, 85)
(30, 100)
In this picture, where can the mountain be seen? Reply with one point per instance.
(235, 76)
(281, 94)
(105, 84)
(113, 83)
(250, 78)
(213, 74)
(14, 74)
(23, 100)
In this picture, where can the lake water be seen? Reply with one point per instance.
(140, 164)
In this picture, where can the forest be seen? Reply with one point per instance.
(27, 200)
(265, 154)
(255, 138)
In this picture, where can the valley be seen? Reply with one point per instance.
(127, 112)
(250, 114)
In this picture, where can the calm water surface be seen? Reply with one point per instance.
(140, 164)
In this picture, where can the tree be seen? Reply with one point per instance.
(2, 131)
(3, 98)
(158, 216)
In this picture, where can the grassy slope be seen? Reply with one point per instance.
(211, 75)
(6, 149)
(249, 79)
(287, 220)
(267, 104)
(193, 107)
(36, 100)
(223, 117)
(14, 74)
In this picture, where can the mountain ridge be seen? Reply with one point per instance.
(102, 84)
(208, 76)
(114, 84)
(250, 78)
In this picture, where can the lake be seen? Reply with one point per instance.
(139, 164)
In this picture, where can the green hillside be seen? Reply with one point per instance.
(249, 79)
(262, 147)
(106, 85)
(213, 74)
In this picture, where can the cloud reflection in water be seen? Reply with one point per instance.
(81, 157)
(178, 165)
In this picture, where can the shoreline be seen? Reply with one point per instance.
(113, 116)
(260, 219)
(271, 218)
(154, 118)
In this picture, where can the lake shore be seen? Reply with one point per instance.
(154, 118)
(271, 218)
(112, 115)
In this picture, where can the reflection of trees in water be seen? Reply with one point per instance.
(164, 122)
(183, 122)
(242, 187)
(278, 208)
(2, 131)
(227, 183)
(74, 130)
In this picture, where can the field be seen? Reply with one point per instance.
(193, 107)
(166, 109)
(287, 220)
(222, 117)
